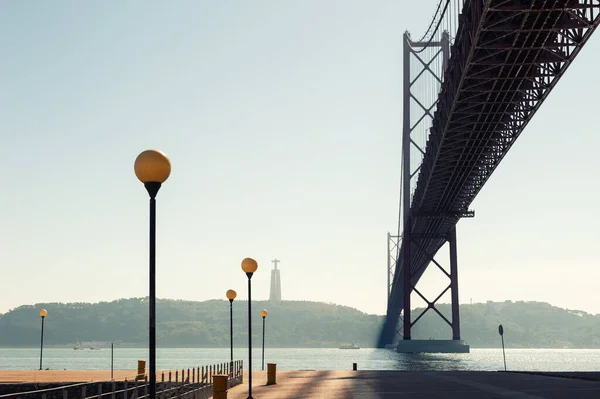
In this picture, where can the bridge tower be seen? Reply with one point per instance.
(427, 59)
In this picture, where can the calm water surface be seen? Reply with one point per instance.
(308, 359)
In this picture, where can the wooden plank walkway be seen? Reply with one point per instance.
(34, 376)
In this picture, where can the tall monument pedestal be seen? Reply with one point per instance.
(432, 346)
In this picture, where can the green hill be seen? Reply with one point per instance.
(289, 324)
(188, 324)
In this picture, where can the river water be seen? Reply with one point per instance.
(306, 359)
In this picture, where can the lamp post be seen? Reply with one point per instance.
(152, 167)
(231, 294)
(249, 266)
(264, 314)
(43, 314)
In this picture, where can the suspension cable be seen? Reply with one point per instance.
(437, 26)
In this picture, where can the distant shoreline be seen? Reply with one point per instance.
(130, 346)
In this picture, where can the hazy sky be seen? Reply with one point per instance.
(282, 120)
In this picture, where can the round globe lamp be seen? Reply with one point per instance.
(249, 265)
(231, 294)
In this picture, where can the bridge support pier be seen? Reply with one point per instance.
(407, 286)
(454, 285)
(407, 344)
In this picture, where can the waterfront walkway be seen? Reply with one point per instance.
(421, 385)
(50, 376)
(373, 384)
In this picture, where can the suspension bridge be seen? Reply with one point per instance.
(471, 85)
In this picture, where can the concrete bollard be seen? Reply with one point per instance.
(271, 373)
(354, 366)
(141, 370)
(220, 386)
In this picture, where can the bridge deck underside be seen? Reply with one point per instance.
(506, 58)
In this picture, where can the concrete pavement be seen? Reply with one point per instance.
(421, 385)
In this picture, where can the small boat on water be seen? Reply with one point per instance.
(351, 346)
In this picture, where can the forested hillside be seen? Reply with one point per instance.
(289, 324)
(188, 323)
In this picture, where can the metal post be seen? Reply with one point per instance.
(503, 354)
(501, 332)
(231, 332)
(406, 185)
(152, 188)
(454, 285)
(249, 335)
(42, 343)
(263, 345)
(152, 371)
(112, 360)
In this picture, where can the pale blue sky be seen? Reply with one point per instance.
(283, 121)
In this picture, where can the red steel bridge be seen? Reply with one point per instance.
(471, 85)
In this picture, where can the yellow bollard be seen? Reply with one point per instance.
(271, 373)
(220, 386)
(141, 371)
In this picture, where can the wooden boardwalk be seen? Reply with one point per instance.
(34, 376)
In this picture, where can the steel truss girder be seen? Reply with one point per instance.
(474, 128)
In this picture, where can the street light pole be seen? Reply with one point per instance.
(264, 314)
(249, 335)
(152, 167)
(249, 266)
(43, 314)
(231, 294)
(152, 288)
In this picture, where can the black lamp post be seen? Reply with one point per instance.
(152, 167)
(231, 294)
(43, 314)
(264, 314)
(249, 266)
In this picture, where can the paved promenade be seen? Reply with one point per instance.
(417, 385)
(372, 384)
